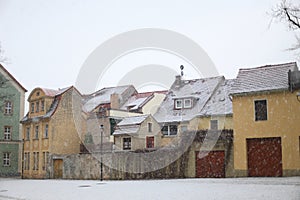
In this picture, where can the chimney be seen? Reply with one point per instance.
(114, 101)
(178, 81)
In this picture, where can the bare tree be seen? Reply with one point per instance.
(289, 13)
(3, 81)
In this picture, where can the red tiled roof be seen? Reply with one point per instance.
(49, 92)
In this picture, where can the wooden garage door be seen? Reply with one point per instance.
(264, 157)
(211, 166)
(58, 168)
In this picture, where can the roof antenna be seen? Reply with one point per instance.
(181, 68)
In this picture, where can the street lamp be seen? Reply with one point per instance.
(101, 150)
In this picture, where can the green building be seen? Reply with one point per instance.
(12, 99)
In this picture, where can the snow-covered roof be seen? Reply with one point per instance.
(127, 130)
(134, 120)
(199, 90)
(130, 125)
(138, 100)
(52, 108)
(219, 103)
(103, 96)
(265, 78)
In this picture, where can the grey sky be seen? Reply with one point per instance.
(48, 41)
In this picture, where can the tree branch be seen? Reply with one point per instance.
(290, 19)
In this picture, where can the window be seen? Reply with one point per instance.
(37, 93)
(149, 127)
(36, 132)
(46, 131)
(187, 103)
(178, 103)
(150, 142)
(8, 107)
(45, 160)
(26, 161)
(261, 110)
(214, 124)
(169, 130)
(27, 137)
(7, 133)
(6, 159)
(37, 105)
(126, 143)
(42, 105)
(35, 160)
(32, 107)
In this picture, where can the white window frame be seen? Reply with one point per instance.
(8, 107)
(7, 132)
(169, 130)
(129, 143)
(185, 104)
(6, 159)
(176, 103)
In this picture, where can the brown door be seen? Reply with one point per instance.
(211, 166)
(264, 157)
(58, 168)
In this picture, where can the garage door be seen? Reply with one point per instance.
(264, 157)
(211, 166)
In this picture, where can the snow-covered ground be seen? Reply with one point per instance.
(239, 188)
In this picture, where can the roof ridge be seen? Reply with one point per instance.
(13, 78)
(269, 66)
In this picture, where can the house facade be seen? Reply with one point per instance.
(12, 98)
(201, 111)
(49, 132)
(266, 122)
(108, 106)
(137, 133)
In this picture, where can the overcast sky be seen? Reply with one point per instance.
(47, 42)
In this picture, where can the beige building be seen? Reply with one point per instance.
(137, 133)
(266, 119)
(49, 132)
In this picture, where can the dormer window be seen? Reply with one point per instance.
(183, 103)
(42, 105)
(178, 103)
(187, 103)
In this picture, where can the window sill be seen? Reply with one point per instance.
(35, 139)
(170, 136)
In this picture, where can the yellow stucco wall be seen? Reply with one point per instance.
(63, 137)
(283, 121)
(203, 123)
(152, 106)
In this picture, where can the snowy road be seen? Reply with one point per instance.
(239, 188)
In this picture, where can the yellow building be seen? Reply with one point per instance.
(266, 122)
(49, 132)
